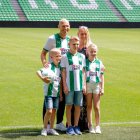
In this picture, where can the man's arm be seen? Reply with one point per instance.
(43, 58)
(50, 44)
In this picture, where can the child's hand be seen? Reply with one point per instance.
(101, 92)
(47, 80)
(66, 91)
(84, 90)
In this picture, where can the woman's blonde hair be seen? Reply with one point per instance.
(88, 40)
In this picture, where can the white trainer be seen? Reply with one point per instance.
(97, 130)
(53, 132)
(91, 130)
(61, 127)
(44, 132)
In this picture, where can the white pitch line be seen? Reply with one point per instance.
(18, 133)
(40, 126)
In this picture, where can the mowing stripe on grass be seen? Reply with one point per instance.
(16, 127)
(117, 123)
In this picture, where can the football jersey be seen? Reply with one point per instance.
(55, 41)
(93, 70)
(74, 65)
(53, 88)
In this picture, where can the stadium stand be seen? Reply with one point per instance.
(130, 10)
(73, 10)
(7, 12)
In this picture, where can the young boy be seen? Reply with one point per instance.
(74, 84)
(95, 86)
(52, 82)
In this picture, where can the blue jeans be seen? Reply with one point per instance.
(51, 102)
(74, 97)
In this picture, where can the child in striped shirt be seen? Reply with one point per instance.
(95, 86)
(51, 77)
(74, 84)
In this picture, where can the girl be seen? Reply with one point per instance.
(95, 86)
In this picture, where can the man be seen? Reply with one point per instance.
(59, 40)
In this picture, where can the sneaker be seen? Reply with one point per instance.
(44, 132)
(91, 130)
(53, 132)
(70, 131)
(98, 130)
(61, 127)
(77, 130)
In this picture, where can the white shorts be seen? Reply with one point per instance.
(93, 88)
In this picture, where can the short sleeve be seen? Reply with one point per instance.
(50, 43)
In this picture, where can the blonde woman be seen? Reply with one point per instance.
(84, 36)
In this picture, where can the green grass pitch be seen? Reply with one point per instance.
(21, 91)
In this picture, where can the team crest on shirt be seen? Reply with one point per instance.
(93, 67)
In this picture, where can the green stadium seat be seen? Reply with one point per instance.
(65, 9)
(79, 10)
(130, 10)
(7, 12)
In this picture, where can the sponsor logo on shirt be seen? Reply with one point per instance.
(64, 50)
(75, 67)
(91, 73)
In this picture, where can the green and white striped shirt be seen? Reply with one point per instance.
(55, 41)
(74, 65)
(93, 70)
(53, 89)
